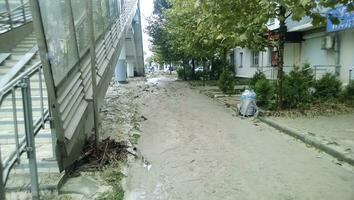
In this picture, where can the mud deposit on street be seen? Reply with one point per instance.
(194, 148)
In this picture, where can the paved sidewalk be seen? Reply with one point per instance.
(336, 132)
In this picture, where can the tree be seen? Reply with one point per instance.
(159, 37)
(282, 10)
(204, 29)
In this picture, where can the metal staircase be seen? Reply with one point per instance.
(18, 62)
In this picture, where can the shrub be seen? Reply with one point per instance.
(296, 88)
(256, 77)
(188, 75)
(180, 73)
(328, 87)
(348, 93)
(227, 82)
(265, 93)
(199, 75)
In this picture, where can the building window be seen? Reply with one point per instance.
(255, 58)
(241, 59)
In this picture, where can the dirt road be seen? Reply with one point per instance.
(198, 150)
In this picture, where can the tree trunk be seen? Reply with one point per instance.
(281, 42)
(185, 63)
(224, 59)
(204, 71)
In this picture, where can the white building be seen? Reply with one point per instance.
(326, 49)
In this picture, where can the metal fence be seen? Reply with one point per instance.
(317, 70)
(14, 13)
(320, 70)
(17, 97)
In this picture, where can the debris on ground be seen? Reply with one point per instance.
(143, 118)
(107, 151)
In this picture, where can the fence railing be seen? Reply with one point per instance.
(317, 70)
(15, 17)
(17, 97)
(320, 70)
(272, 72)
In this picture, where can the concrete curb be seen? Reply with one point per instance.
(308, 140)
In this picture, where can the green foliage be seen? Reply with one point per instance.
(256, 77)
(216, 69)
(227, 82)
(265, 93)
(199, 75)
(134, 139)
(348, 94)
(114, 178)
(296, 88)
(180, 74)
(328, 87)
(243, 81)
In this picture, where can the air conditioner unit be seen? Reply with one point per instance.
(327, 43)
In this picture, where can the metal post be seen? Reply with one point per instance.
(93, 70)
(2, 184)
(41, 95)
(14, 113)
(9, 13)
(350, 75)
(30, 143)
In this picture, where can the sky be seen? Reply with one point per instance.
(146, 7)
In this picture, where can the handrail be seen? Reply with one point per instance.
(16, 8)
(25, 144)
(25, 59)
(15, 17)
(29, 72)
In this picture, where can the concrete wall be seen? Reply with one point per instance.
(292, 54)
(346, 54)
(310, 51)
(247, 69)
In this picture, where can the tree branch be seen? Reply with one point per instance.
(286, 17)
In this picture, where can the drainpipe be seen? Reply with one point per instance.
(337, 54)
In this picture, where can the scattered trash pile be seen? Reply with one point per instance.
(107, 152)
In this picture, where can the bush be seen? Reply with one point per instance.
(296, 88)
(256, 77)
(188, 75)
(199, 75)
(265, 93)
(227, 82)
(328, 87)
(348, 94)
(180, 73)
